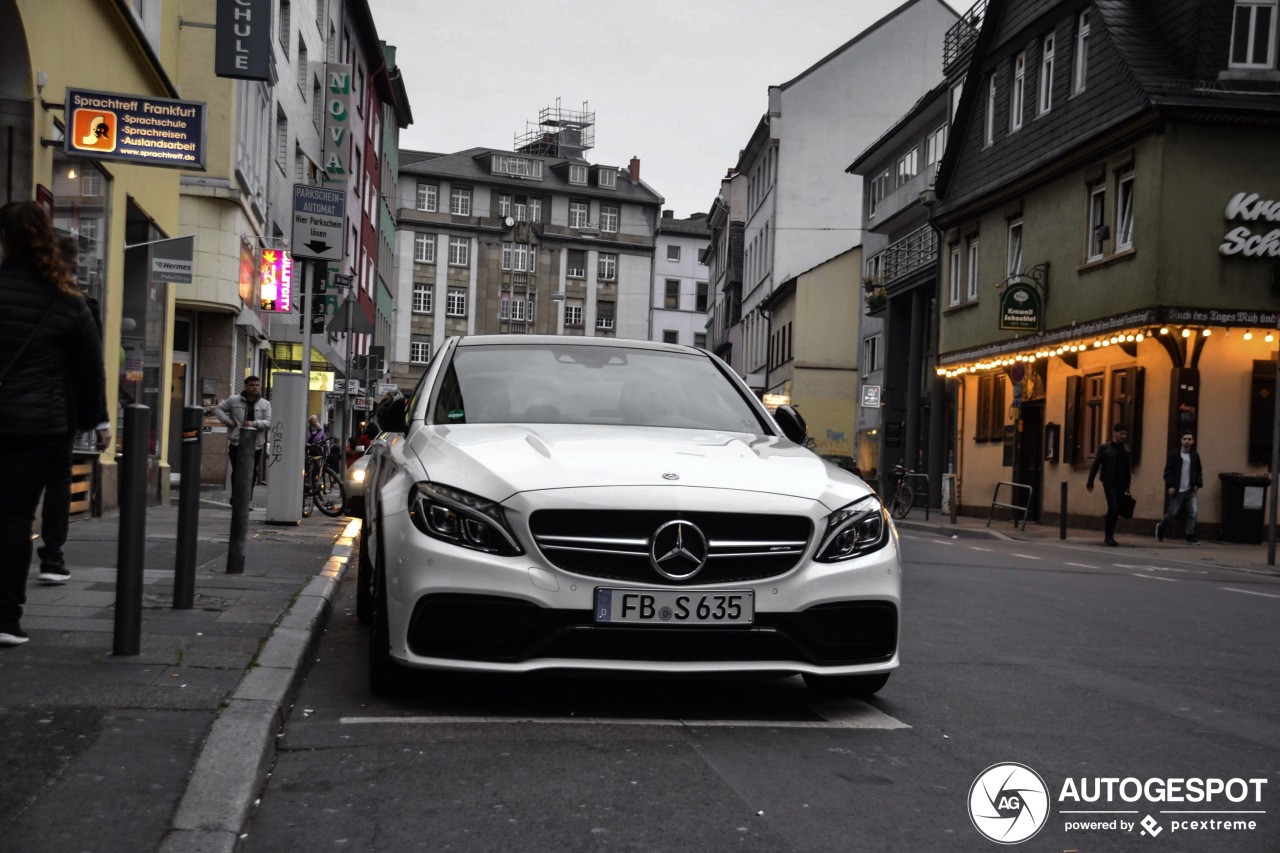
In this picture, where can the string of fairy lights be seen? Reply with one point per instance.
(1086, 344)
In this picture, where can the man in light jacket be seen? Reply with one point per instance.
(246, 409)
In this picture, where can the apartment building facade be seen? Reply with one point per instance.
(723, 258)
(681, 286)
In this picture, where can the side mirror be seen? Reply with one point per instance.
(791, 423)
(394, 416)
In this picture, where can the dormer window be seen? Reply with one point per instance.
(608, 178)
(520, 167)
(577, 174)
(1253, 34)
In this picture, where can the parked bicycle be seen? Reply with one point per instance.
(904, 497)
(322, 486)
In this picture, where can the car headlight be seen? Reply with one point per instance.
(356, 475)
(464, 519)
(855, 530)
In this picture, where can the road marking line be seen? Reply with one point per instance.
(856, 715)
(1154, 578)
(976, 548)
(1249, 592)
(1027, 556)
(1080, 565)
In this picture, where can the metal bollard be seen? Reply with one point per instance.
(1062, 513)
(184, 566)
(241, 498)
(133, 522)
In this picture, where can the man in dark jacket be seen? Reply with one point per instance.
(1112, 462)
(51, 385)
(1183, 477)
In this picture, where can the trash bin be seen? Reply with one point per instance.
(1244, 497)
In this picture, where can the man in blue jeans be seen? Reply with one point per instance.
(1183, 478)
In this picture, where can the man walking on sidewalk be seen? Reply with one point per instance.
(1113, 463)
(246, 409)
(1183, 477)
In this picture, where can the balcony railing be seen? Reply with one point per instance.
(898, 260)
(963, 33)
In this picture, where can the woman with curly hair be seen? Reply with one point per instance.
(52, 384)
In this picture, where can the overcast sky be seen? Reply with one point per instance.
(681, 84)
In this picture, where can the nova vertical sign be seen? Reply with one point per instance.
(337, 122)
(242, 41)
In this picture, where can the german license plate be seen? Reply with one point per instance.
(674, 607)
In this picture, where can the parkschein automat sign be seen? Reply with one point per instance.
(128, 128)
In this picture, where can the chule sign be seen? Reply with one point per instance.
(242, 43)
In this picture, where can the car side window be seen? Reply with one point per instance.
(449, 407)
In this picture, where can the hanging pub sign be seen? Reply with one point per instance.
(275, 280)
(242, 41)
(1021, 309)
(144, 131)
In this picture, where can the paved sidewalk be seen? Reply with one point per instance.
(1137, 540)
(167, 749)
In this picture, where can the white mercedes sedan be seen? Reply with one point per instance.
(596, 504)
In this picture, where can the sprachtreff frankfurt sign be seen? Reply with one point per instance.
(128, 128)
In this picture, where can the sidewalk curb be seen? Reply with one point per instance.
(233, 762)
(949, 530)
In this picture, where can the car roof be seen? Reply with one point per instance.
(573, 340)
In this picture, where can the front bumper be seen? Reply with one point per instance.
(454, 608)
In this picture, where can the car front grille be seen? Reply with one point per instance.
(614, 544)
(506, 630)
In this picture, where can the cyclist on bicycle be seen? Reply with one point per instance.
(315, 432)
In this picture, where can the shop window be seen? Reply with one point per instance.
(990, 408)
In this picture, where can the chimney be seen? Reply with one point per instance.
(668, 214)
(635, 170)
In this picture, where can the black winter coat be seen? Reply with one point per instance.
(1173, 470)
(57, 385)
(1113, 463)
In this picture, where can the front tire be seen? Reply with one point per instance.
(858, 686)
(384, 674)
(364, 580)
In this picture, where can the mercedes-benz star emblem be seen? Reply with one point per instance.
(671, 476)
(678, 551)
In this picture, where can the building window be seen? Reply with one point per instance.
(90, 183)
(460, 201)
(456, 302)
(1253, 34)
(535, 210)
(1092, 412)
(317, 105)
(671, 296)
(990, 408)
(1044, 101)
(504, 205)
(604, 315)
(285, 15)
(989, 129)
(935, 145)
(1013, 264)
(609, 220)
(515, 256)
(424, 248)
(575, 264)
(673, 253)
(419, 350)
(573, 315)
(577, 214)
(282, 139)
(879, 189)
(523, 167)
(700, 340)
(421, 297)
(427, 195)
(670, 336)
(956, 92)
(511, 309)
(1017, 91)
(700, 302)
(1124, 211)
(1096, 236)
(459, 251)
(956, 270)
(607, 267)
(972, 293)
(607, 178)
(871, 353)
(907, 166)
(577, 174)
(1082, 54)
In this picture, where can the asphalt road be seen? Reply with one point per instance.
(1071, 661)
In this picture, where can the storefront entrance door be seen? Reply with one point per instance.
(1028, 457)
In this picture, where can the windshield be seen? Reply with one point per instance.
(567, 384)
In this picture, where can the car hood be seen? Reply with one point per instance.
(499, 460)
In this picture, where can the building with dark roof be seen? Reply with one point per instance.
(1106, 206)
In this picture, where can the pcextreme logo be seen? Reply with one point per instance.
(1009, 803)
